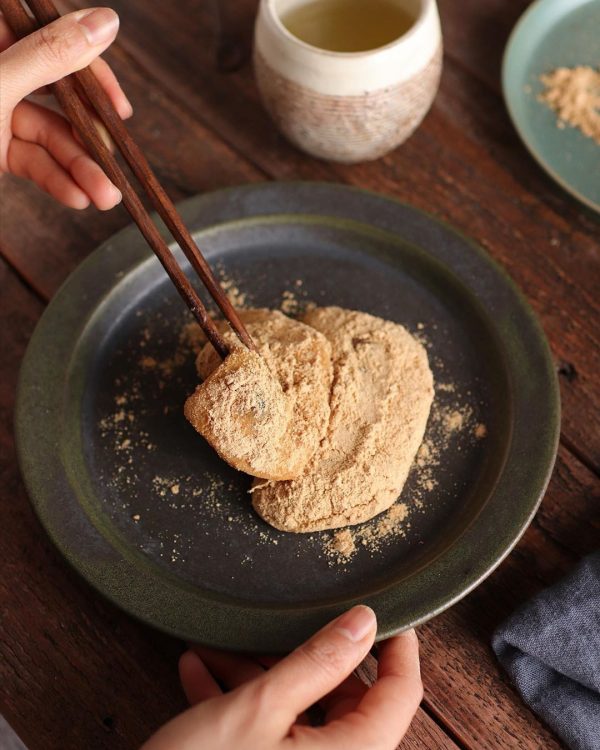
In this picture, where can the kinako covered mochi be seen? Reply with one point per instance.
(265, 412)
(332, 418)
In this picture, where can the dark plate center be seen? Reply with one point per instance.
(162, 493)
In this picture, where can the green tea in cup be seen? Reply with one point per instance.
(348, 25)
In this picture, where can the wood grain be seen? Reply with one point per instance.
(78, 674)
(422, 728)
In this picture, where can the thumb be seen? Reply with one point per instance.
(52, 52)
(321, 664)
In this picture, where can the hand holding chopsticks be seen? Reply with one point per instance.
(73, 93)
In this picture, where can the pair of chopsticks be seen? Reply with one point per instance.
(75, 94)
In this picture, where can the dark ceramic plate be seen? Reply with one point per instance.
(139, 505)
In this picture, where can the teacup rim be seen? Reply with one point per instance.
(420, 20)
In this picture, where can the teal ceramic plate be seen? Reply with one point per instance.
(148, 514)
(549, 35)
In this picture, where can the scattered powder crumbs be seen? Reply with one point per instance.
(387, 523)
(148, 363)
(343, 544)
(167, 487)
(424, 454)
(454, 420)
(451, 416)
(427, 459)
(231, 289)
(294, 301)
(574, 94)
(192, 337)
(289, 303)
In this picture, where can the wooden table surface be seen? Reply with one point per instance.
(77, 673)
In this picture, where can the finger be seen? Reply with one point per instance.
(398, 678)
(102, 131)
(111, 85)
(319, 665)
(37, 124)
(54, 51)
(386, 710)
(344, 698)
(197, 682)
(232, 670)
(34, 163)
(6, 36)
(268, 661)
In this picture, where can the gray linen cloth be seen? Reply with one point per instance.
(550, 647)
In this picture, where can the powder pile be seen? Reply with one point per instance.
(233, 292)
(345, 543)
(574, 94)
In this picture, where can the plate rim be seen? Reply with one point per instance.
(321, 612)
(514, 38)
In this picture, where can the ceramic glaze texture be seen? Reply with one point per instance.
(348, 107)
(273, 589)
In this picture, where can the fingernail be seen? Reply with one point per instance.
(357, 623)
(105, 135)
(99, 25)
(127, 109)
(411, 633)
(118, 196)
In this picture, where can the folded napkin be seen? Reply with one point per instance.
(551, 649)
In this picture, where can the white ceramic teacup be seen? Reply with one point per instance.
(347, 106)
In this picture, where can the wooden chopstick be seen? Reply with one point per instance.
(88, 84)
(81, 120)
(88, 88)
